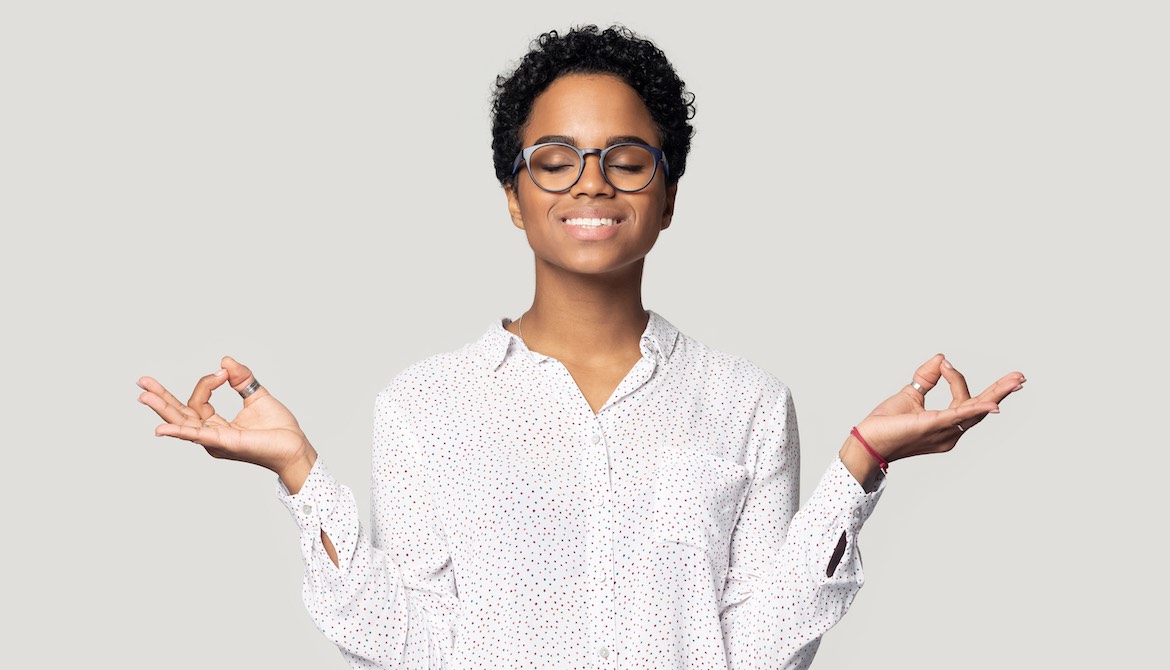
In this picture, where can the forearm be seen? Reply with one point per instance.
(776, 610)
(352, 590)
(860, 463)
(329, 548)
(293, 477)
(296, 471)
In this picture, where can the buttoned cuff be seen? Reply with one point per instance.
(316, 500)
(323, 505)
(840, 494)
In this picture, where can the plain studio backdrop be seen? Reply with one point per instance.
(308, 187)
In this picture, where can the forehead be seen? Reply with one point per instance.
(589, 108)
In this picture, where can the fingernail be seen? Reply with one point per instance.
(947, 364)
(1018, 388)
(221, 372)
(994, 411)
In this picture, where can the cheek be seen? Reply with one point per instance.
(533, 201)
(654, 209)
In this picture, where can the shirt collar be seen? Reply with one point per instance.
(660, 334)
(657, 340)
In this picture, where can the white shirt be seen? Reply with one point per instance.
(514, 528)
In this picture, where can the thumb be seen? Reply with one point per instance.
(239, 375)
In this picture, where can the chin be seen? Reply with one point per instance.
(597, 267)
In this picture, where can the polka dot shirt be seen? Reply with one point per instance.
(514, 528)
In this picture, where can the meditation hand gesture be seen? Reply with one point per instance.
(264, 432)
(902, 427)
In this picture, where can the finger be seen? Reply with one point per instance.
(202, 393)
(151, 384)
(239, 376)
(958, 383)
(965, 415)
(927, 375)
(1003, 387)
(216, 437)
(167, 411)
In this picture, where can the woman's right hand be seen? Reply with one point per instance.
(264, 432)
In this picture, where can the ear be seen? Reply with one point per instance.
(514, 205)
(668, 207)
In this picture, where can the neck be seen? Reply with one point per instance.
(585, 319)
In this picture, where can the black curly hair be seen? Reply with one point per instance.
(616, 50)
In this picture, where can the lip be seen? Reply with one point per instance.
(591, 233)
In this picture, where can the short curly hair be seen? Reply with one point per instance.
(617, 50)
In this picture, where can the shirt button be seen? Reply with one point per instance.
(603, 652)
(856, 514)
(595, 438)
(307, 509)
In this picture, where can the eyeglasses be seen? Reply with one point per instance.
(556, 167)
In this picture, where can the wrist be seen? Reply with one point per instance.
(860, 463)
(294, 473)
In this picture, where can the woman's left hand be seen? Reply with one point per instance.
(902, 427)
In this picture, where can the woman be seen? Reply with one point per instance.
(584, 486)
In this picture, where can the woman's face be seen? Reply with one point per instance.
(590, 111)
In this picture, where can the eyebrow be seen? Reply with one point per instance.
(616, 139)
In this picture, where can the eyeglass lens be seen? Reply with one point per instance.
(627, 167)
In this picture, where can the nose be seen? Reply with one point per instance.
(592, 180)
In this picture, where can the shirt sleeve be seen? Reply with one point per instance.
(792, 575)
(391, 601)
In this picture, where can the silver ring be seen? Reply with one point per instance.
(918, 387)
(960, 427)
(250, 388)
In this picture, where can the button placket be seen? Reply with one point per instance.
(604, 614)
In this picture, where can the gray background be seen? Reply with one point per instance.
(870, 183)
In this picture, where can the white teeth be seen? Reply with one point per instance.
(591, 223)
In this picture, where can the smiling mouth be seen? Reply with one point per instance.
(591, 223)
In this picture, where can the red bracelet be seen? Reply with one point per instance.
(883, 464)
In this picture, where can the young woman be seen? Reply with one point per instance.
(584, 486)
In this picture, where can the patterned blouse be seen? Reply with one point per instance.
(515, 528)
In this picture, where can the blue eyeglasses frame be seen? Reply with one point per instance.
(525, 156)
